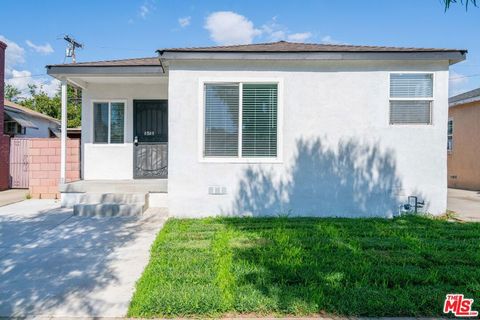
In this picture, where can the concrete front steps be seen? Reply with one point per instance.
(115, 197)
(107, 204)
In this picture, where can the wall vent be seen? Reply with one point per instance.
(217, 190)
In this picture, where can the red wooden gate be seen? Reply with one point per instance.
(19, 163)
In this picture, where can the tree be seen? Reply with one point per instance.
(40, 101)
(74, 107)
(11, 92)
(462, 2)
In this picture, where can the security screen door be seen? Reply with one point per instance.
(150, 133)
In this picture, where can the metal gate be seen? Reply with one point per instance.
(19, 163)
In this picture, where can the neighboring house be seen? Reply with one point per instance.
(269, 129)
(23, 122)
(464, 141)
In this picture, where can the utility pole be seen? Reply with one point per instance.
(72, 45)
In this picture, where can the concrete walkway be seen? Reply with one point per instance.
(12, 195)
(465, 203)
(55, 264)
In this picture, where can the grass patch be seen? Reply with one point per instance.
(300, 266)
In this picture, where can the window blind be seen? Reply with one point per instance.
(259, 120)
(411, 98)
(411, 85)
(100, 115)
(410, 112)
(221, 120)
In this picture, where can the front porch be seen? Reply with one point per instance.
(116, 186)
(114, 197)
(124, 125)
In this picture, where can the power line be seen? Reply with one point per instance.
(465, 76)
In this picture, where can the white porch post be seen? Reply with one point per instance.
(63, 143)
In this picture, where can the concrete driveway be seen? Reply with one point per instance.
(465, 203)
(12, 195)
(55, 264)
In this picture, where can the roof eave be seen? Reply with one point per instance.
(61, 72)
(463, 101)
(451, 56)
(31, 113)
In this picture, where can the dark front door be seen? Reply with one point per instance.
(150, 133)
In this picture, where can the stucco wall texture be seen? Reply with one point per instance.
(464, 159)
(338, 154)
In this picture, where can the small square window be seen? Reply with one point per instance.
(411, 98)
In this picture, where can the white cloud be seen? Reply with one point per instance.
(458, 83)
(15, 57)
(184, 22)
(42, 49)
(274, 31)
(146, 8)
(228, 28)
(299, 37)
(276, 35)
(144, 11)
(21, 80)
(329, 40)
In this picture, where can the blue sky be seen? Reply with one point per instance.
(112, 29)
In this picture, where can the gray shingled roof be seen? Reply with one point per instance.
(284, 46)
(272, 47)
(472, 95)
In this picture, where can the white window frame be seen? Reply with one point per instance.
(109, 101)
(431, 99)
(201, 120)
(450, 135)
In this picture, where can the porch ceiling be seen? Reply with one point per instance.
(84, 81)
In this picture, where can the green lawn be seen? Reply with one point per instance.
(301, 266)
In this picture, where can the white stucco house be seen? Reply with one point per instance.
(22, 122)
(267, 129)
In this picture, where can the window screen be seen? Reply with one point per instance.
(259, 120)
(221, 120)
(413, 112)
(100, 115)
(117, 120)
(411, 85)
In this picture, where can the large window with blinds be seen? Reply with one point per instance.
(108, 122)
(241, 120)
(411, 98)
